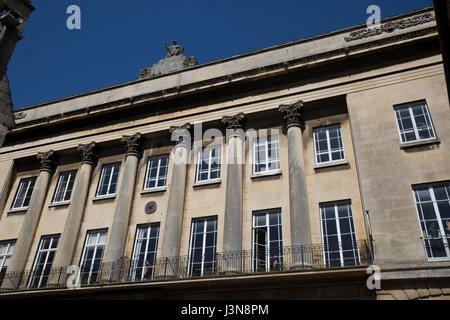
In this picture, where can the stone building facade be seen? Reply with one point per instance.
(282, 173)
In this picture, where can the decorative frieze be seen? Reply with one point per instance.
(390, 26)
(133, 144)
(87, 153)
(47, 160)
(292, 114)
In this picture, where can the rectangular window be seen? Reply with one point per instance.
(23, 194)
(328, 144)
(156, 176)
(108, 179)
(414, 122)
(202, 258)
(144, 256)
(6, 251)
(433, 207)
(267, 241)
(43, 261)
(64, 188)
(339, 236)
(208, 164)
(91, 259)
(266, 156)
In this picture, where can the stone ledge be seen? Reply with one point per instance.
(268, 175)
(209, 183)
(17, 211)
(154, 190)
(422, 143)
(59, 204)
(109, 197)
(330, 165)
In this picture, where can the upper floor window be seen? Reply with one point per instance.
(433, 207)
(266, 156)
(108, 179)
(156, 176)
(414, 122)
(328, 144)
(6, 251)
(208, 163)
(23, 194)
(43, 262)
(64, 187)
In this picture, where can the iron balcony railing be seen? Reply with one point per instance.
(287, 259)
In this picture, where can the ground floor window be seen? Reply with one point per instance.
(144, 256)
(433, 208)
(340, 245)
(202, 257)
(6, 251)
(43, 262)
(91, 259)
(267, 240)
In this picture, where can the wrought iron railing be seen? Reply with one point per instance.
(287, 259)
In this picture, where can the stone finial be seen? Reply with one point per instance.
(234, 122)
(292, 114)
(133, 144)
(47, 160)
(174, 50)
(181, 134)
(87, 153)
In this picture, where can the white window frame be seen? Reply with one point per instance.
(96, 245)
(29, 181)
(338, 227)
(71, 179)
(413, 121)
(45, 252)
(444, 238)
(329, 152)
(267, 225)
(9, 244)
(265, 141)
(204, 233)
(115, 166)
(136, 253)
(209, 149)
(158, 173)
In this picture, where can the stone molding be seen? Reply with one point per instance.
(133, 145)
(47, 160)
(87, 153)
(234, 122)
(293, 114)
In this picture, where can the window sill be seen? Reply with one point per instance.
(108, 197)
(421, 143)
(208, 183)
(17, 211)
(270, 174)
(154, 190)
(59, 204)
(329, 165)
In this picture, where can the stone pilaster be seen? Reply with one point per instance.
(174, 216)
(31, 221)
(70, 235)
(298, 197)
(122, 213)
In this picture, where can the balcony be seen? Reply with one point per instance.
(243, 263)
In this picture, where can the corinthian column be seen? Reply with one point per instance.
(31, 221)
(119, 228)
(174, 216)
(298, 198)
(69, 237)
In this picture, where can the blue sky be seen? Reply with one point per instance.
(117, 39)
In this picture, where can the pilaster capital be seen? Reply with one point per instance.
(234, 122)
(181, 134)
(87, 153)
(133, 144)
(47, 160)
(293, 114)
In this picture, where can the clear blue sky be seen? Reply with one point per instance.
(119, 38)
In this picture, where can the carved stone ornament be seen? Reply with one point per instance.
(150, 207)
(47, 160)
(390, 26)
(133, 144)
(87, 153)
(234, 122)
(181, 134)
(292, 114)
(20, 115)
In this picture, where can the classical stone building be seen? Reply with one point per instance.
(282, 173)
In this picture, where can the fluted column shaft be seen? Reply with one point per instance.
(31, 221)
(174, 216)
(298, 197)
(119, 229)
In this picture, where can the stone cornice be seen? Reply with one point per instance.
(47, 160)
(292, 114)
(133, 144)
(87, 153)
